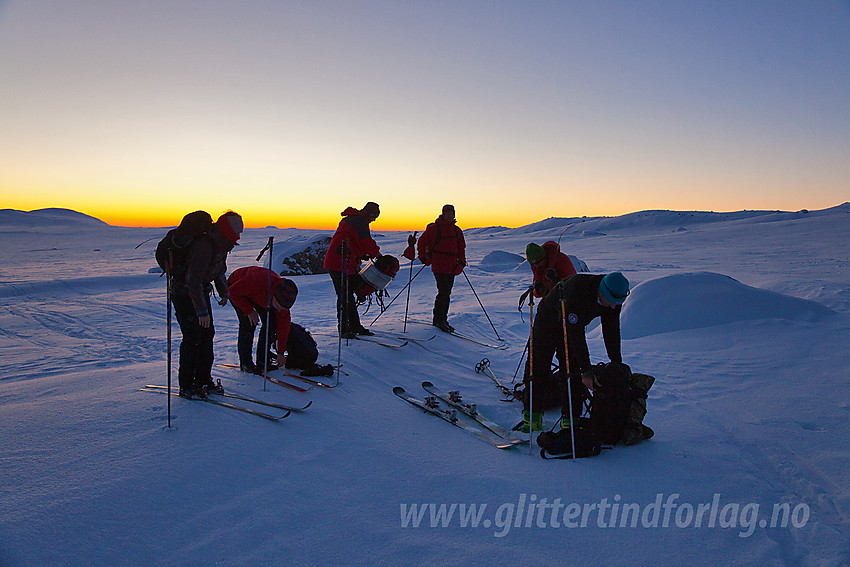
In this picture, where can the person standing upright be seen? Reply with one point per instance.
(443, 248)
(351, 243)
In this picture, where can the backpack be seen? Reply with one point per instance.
(612, 401)
(560, 445)
(377, 275)
(172, 250)
(301, 349)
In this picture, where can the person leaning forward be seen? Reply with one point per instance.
(578, 300)
(192, 283)
(259, 294)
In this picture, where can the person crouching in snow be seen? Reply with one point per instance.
(351, 243)
(251, 290)
(443, 248)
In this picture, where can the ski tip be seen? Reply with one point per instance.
(399, 390)
(427, 384)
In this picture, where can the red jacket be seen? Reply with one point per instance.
(560, 264)
(442, 247)
(354, 230)
(249, 290)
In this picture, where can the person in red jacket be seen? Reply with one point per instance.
(351, 243)
(548, 265)
(443, 248)
(254, 300)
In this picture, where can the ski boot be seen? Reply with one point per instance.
(536, 422)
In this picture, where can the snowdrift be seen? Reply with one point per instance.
(501, 261)
(704, 299)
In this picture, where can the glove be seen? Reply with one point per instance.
(587, 378)
(539, 288)
(411, 240)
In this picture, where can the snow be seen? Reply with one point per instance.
(743, 319)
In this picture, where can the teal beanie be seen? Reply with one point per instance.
(614, 287)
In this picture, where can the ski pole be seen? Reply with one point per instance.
(482, 305)
(406, 286)
(168, 331)
(530, 370)
(342, 309)
(567, 369)
(409, 281)
(270, 247)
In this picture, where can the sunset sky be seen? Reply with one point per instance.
(139, 111)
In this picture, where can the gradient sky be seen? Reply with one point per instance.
(139, 111)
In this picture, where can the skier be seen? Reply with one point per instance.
(443, 248)
(585, 297)
(351, 243)
(204, 264)
(548, 265)
(251, 290)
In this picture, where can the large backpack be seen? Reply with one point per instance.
(301, 349)
(172, 250)
(612, 401)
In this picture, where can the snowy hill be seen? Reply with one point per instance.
(46, 217)
(743, 319)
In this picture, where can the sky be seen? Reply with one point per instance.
(288, 112)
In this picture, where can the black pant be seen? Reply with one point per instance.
(348, 319)
(196, 347)
(547, 342)
(245, 338)
(445, 282)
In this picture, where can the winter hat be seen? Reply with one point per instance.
(614, 288)
(286, 293)
(371, 209)
(534, 253)
(230, 226)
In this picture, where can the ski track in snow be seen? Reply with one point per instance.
(755, 408)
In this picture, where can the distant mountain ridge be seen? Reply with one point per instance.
(47, 217)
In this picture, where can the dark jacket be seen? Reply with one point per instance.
(205, 264)
(354, 230)
(442, 247)
(581, 306)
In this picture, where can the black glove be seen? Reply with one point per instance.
(539, 289)
(411, 240)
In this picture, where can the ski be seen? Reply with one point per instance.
(403, 337)
(480, 342)
(271, 379)
(378, 341)
(502, 346)
(244, 399)
(430, 405)
(454, 399)
(483, 367)
(310, 380)
(227, 405)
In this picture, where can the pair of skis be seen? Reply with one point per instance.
(452, 403)
(312, 382)
(475, 340)
(244, 409)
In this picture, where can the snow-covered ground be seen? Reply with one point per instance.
(743, 318)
